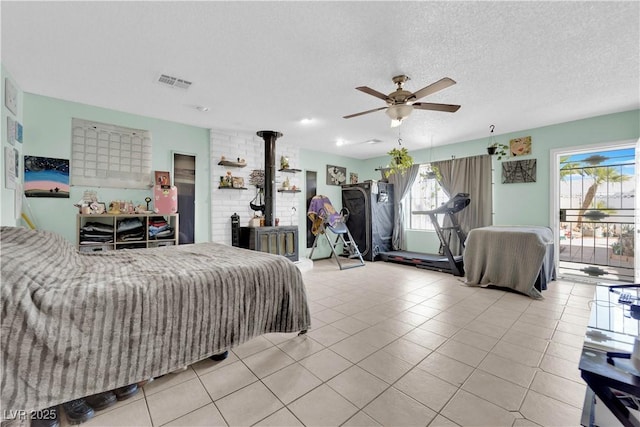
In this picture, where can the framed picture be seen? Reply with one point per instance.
(162, 178)
(519, 171)
(10, 96)
(98, 208)
(9, 166)
(520, 146)
(18, 132)
(11, 131)
(237, 182)
(353, 178)
(16, 154)
(336, 175)
(46, 177)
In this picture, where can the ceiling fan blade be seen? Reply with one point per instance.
(372, 92)
(443, 83)
(448, 108)
(364, 112)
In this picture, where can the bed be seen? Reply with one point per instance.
(76, 324)
(520, 258)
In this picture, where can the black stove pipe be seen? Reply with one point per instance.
(269, 137)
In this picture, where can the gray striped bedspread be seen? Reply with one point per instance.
(77, 324)
(508, 256)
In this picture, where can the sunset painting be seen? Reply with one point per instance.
(46, 177)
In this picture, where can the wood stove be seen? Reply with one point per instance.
(279, 240)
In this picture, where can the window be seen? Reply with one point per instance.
(426, 195)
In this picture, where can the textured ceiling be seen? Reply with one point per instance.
(266, 65)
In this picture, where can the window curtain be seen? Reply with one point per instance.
(467, 175)
(402, 183)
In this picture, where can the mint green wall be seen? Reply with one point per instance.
(317, 161)
(47, 133)
(518, 204)
(7, 210)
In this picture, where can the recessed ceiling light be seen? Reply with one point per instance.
(306, 120)
(340, 142)
(202, 108)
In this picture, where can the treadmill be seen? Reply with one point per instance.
(447, 262)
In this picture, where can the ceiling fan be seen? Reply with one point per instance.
(401, 103)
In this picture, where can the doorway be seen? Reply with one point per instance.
(184, 173)
(595, 211)
(311, 184)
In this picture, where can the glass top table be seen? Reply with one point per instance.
(604, 363)
(612, 326)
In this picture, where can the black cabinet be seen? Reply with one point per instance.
(280, 240)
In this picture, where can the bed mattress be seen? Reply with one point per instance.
(77, 324)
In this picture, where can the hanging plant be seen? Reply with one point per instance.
(401, 161)
(495, 147)
(499, 149)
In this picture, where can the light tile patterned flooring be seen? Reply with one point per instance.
(390, 345)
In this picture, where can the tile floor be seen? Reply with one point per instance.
(389, 345)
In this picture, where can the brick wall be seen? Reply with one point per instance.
(224, 203)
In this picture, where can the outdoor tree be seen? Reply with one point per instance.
(598, 174)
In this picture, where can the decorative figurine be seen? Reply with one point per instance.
(284, 162)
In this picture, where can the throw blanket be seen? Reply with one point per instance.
(77, 324)
(507, 256)
(321, 211)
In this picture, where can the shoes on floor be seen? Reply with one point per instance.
(101, 401)
(219, 357)
(46, 418)
(15, 422)
(123, 393)
(145, 382)
(78, 411)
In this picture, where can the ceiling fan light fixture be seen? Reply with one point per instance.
(398, 112)
(402, 102)
(395, 123)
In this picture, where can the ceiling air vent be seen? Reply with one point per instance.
(174, 82)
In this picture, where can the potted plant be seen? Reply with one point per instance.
(400, 161)
(499, 149)
(495, 147)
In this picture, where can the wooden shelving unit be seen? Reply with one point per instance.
(116, 243)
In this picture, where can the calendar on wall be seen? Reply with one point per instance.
(104, 155)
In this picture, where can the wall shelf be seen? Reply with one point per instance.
(232, 164)
(281, 190)
(289, 170)
(232, 188)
